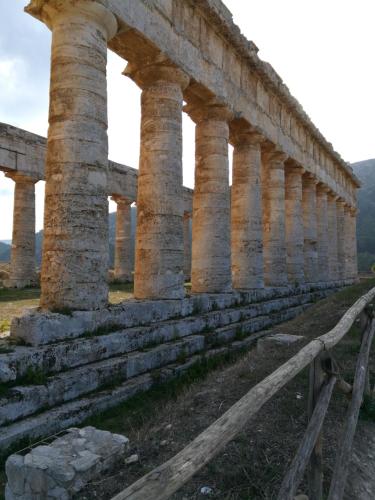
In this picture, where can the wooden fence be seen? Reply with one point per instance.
(166, 479)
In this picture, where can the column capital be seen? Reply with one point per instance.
(50, 11)
(121, 199)
(332, 196)
(246, 136)
(274, 156)
(211, 110)
(322, 188)
(340, 201)
(22, 177)
(294, 169)
(309, 179)
(145, 74)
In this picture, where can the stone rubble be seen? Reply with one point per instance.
(65, 466)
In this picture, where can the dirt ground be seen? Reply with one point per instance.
(252, 466)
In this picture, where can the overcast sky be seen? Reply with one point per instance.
(323, 50)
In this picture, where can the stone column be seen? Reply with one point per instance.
(322, 225)
(332, 237)
(211, 263)
(294, 232)
(75, 247)
(187, 246)
(159, 259)
(123, 243)
(347, 242)
(273, 202)
(22, 262)
(352, 238)
(341, 236)
(309, 210)
(246, 212)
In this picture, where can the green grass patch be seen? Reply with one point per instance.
(32, 376)
(4, 325)
(14, 294)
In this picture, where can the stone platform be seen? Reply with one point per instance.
(104, 357)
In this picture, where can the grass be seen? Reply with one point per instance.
(141, 407)
(32, 376)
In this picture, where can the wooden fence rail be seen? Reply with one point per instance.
(166, 479)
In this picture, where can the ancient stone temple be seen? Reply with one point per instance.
(259, 252)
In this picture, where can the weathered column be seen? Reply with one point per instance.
(347, 242)
(322, 224)
(246, 211)
(309, 210)
(211, 263)
(332, 237)
(22, 261)
(159, 259)
(123, 241)
(352, 237)
(75, 247)
(187, 246)
(273, 202)
(294, 233)
(341, 253)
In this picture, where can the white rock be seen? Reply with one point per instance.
(132, 459)
(206, 490)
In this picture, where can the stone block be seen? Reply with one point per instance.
(276, 340)
(63, 468)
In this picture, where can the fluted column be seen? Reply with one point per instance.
(75, 246)
(123, 241)
(246, 212)
(187, 246)
(341, 254)
(332, 237)
(273, 203)
(211, 263)
(322, 224)
(159, 258)
(294, 233)
(309, 210)
(22, 261)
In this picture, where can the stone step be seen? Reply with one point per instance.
(73, 413)
(62, 356)
(26, 400)
(77, 411)
(39, 328)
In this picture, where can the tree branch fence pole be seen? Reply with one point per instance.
(344, 453)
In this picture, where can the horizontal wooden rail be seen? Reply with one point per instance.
(166, 479)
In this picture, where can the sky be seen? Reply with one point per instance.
(323, 50)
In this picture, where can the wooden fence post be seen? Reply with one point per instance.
(315, 470)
